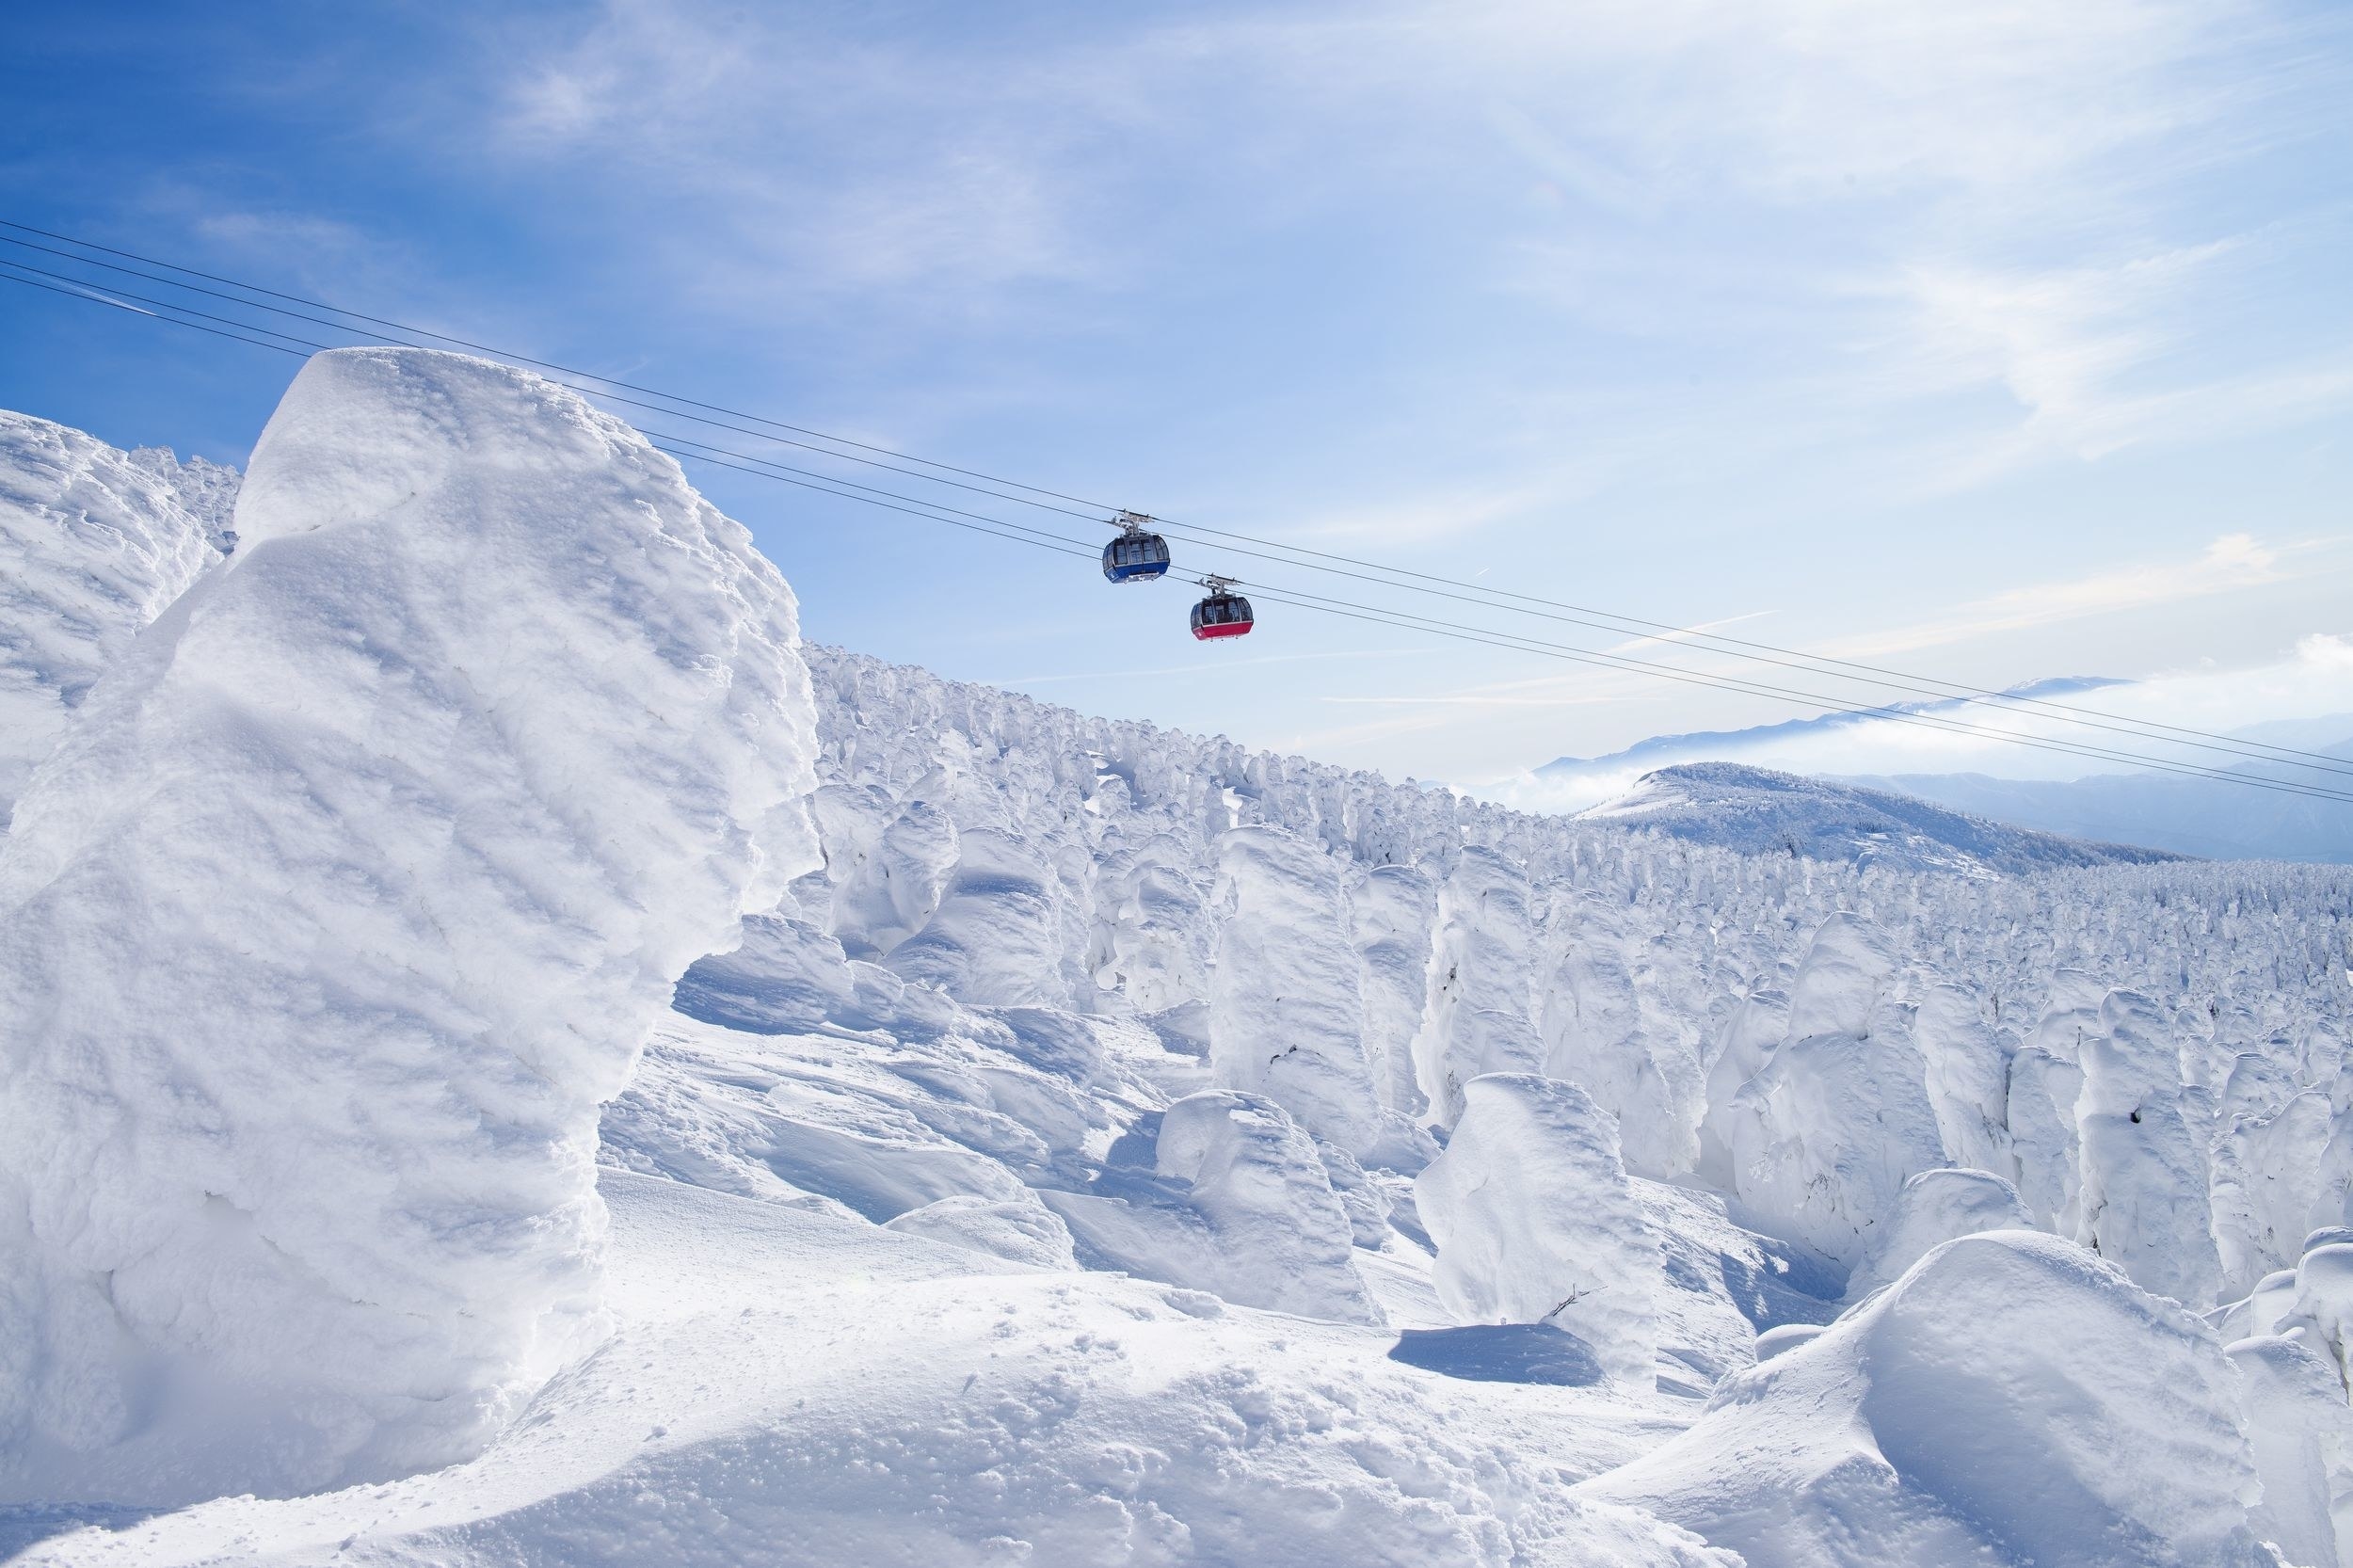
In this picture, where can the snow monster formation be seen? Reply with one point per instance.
(344, 903)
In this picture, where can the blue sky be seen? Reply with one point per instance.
(1995, 341)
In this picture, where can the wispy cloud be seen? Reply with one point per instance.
(1685, 633)
(1373, 524)
(1468, 699)
(2229, 563)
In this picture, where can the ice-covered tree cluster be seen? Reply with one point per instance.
(2153, 1056)
(1065, 1139)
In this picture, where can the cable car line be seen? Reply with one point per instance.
(499, 354)
(575, 386)
(1513, 642)
(1695, 637)
(659, 437)
(1041, 541)
(2225, 745)
(1691, 637)
(1813, 700)
(1604, 660)
(1062, 544)
(544, 364)
(175, 321)
(1881, 676)
(2193, 771)
(709, 454)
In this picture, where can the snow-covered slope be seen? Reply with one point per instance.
(2201, 817)
(1757, 811)
(93, 543)
(1113, 1144)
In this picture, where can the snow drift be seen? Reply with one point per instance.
(2010, 1400)
(347, 900)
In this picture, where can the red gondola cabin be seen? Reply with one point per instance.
(1221, 615)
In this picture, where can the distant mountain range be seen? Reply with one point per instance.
(2184, 815)
(1759, 811)
(1729, 746)
(2192, 816)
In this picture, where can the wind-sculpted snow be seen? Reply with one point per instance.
(1536, 1221)
(2010, 1400)
(94, 543)
(2301, 1430)
(787, 1387)
(2144, 1190)
(1609, 1025)
(1934, 1208)
(349, 897)
(1286, 1009)
(1483, 966)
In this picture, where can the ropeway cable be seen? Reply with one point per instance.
(1062, 544)
(1490, 636)
(102, 299)
(1490, 597)
(1689, 636)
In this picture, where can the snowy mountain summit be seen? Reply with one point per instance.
(1759, 811)
(508, 1056)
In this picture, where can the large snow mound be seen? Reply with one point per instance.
(349, 896)
(93, 543)
(2010, 1401)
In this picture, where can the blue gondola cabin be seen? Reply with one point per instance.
(1135, 557)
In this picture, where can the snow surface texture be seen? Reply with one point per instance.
(799, 1388)
(1069, 999)
(345, 901)
(2010, 1400)
(93, 543)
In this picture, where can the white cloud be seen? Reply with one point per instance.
(2302, 700)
